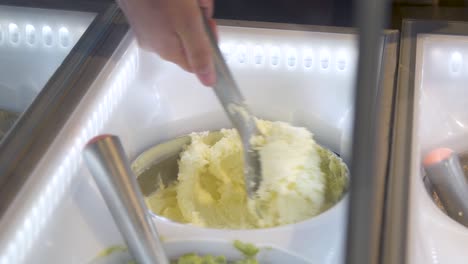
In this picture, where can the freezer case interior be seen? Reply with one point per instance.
(440, 121)
(33, 44)
(305, 77)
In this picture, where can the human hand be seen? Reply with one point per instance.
(174, 29)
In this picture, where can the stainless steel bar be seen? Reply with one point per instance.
(111, 170)
(233, 102)
(366, 188)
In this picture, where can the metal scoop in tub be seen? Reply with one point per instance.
(198, 179)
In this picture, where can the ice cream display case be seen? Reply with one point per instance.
(303, 75)
(428, 179)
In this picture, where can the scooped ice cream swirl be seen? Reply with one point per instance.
(300, 179)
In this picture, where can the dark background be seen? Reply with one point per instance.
(336, 12)
(317, 12)
(314, 12)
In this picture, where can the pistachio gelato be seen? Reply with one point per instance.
(248, 250)
(300, 179)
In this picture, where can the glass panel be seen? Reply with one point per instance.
(33, 44)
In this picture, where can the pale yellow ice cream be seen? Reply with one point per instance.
(299, 180)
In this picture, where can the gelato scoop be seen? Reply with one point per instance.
(300, 179)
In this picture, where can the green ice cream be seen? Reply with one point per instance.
(248, 250)
(196, 259)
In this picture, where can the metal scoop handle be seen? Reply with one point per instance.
(110, 168)
(451, 186)
(233, 103)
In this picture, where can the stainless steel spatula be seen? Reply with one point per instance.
(233, 103)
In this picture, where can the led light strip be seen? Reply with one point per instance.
(58, 184)
(275, 56)
(13, 34)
